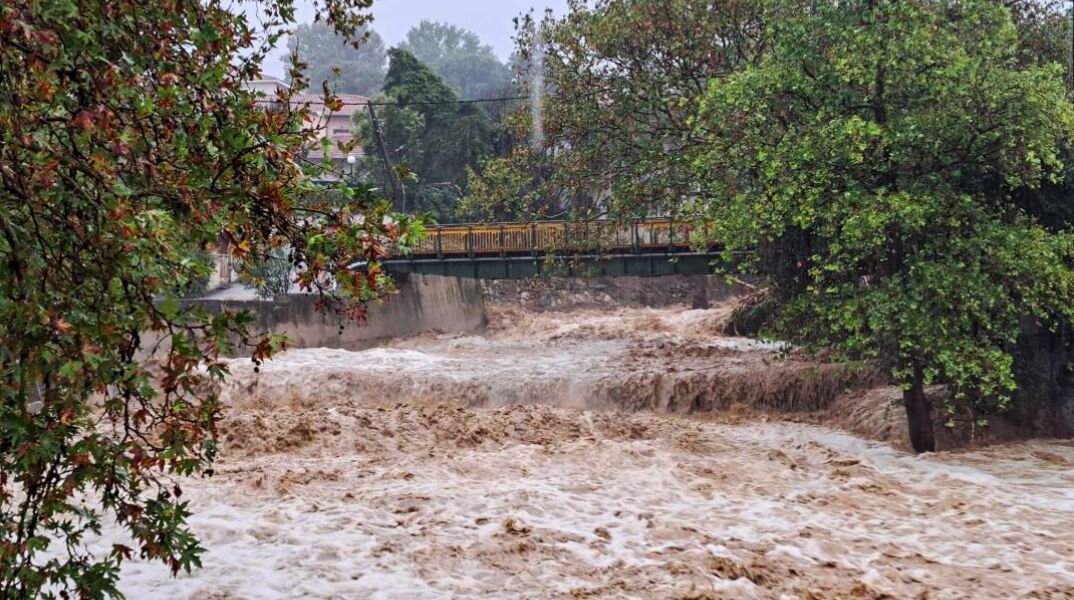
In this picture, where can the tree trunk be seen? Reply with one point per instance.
(919, 415)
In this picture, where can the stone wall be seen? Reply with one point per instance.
(563, 293)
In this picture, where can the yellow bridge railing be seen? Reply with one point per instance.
(544, 237)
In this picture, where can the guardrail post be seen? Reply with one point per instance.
(533, 238)
(439, 242)
(503, 251)
(634, 237)
(470, 242)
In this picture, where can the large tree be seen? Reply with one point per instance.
(329, 56)
(428, 134)
(890, 138)
(128, 146)
(617, 83)
(470, 67)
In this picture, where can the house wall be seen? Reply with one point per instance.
(339, 124)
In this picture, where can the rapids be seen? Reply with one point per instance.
(621, 453)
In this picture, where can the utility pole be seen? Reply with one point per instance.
(398, 192)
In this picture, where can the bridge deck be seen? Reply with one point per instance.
(559, 248)
(570, 237)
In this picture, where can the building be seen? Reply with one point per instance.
(335, 125)
(267, 87)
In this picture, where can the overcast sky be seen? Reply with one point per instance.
(490, 19)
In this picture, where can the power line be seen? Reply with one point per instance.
(477, 101)
(438, 103)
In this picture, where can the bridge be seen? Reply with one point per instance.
(649, 247)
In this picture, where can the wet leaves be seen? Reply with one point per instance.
(114, 197)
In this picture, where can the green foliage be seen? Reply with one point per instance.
(329, 56)
(199, 284)
(621, 80)
(458, 56)
(128, 147)
(505, 190)
(888, 137)
(1044, 34)
(433, 139)
(271, 275)
(1045, 37)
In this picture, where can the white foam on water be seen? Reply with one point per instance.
(646, 513)
(374, 474)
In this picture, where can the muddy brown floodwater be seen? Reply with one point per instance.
(553, 457)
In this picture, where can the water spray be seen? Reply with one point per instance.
(537, 93)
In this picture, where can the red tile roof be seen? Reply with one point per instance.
(351, 102)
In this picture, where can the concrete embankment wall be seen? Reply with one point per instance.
(424, 303)
(562, 293)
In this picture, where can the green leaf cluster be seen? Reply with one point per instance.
(430, 137)
(891, 139)
(129, 148)
(618, 83)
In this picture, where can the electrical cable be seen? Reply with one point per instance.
(437, 103)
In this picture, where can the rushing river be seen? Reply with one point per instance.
(548, 458)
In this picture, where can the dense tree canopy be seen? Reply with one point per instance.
(897, 170)
(123, 157)
(470, 67)
(1044, 31)
(621, 81)
(329, 56)
(429, 135)
(889, 136)
(1045, 37)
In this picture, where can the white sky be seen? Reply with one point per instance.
(490, 19)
